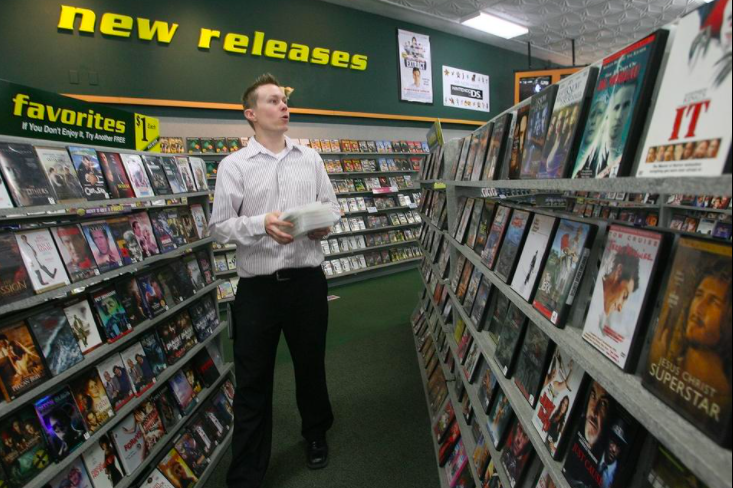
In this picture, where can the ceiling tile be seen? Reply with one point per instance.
(599, 26)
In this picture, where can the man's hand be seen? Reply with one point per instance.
(318, 234)
(272, 228)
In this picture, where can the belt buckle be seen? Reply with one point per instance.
(280, 278)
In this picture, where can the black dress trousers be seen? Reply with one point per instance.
(292, 302)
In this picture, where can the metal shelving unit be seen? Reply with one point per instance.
(436, 447)
(369, 249)
(47, 475)
(375, 268)
(710, 462)
(80, 286)
(719, 185)
(50, 215)
(100, 353)
(375, 229)
(164, 444)
(471, 391)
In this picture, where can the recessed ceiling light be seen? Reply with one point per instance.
(494, 25)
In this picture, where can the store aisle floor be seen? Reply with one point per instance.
(381, 438)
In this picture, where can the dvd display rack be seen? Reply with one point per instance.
(385, 247)
(471, 222)
(48, 463)
(708, 461)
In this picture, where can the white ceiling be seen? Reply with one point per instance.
(599, 27)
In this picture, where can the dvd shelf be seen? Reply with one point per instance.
(548, 255)
(707, 460)
(378, 193)
(105, 259)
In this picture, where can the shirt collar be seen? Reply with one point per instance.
(254, 148)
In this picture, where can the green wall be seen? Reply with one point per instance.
(34, 52)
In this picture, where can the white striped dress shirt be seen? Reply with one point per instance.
(253, 182)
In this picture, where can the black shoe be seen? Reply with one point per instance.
(317, 454)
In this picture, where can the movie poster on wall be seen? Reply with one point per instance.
(416, 79)
(465, 89)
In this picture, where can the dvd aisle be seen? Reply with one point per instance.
(573, 331)
(110, 356)
(377, 188)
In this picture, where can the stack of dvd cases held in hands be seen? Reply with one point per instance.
(308, 218)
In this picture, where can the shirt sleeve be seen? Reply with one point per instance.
(226, 225)
(325, 191)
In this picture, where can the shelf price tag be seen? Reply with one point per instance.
(412, 206)
(490, 193)
(372, 210)
(439, 186)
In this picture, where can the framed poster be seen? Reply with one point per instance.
(465, 89)
(416, 79)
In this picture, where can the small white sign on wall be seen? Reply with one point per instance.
(465, 89)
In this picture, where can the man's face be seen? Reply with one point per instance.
(92, 419)
(107, 376)
(669, 153)
(416, 76)
(616, 291)
(134, 247)
(70, 244)
(100, 240)
(702, 149)
(520, 441)
(271, 112)
(621, 105)
(705, 319)
(110, 305)
(595, 118)
(613, 451)
(596, 414)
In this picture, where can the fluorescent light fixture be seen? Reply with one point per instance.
(494, 25)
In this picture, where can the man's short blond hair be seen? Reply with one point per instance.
(250, 97)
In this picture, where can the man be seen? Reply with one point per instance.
(620, 280)
(115, 323)
(516, 457)
(36, 263)
(597, 413)
(145, 238)
(106, 254)
(75, 245)
(609, 463)
(606, 161)
(133, 246)
(416, 78)
(282, 287)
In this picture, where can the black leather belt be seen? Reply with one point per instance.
(289, 274)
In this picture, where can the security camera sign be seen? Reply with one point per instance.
(465, 89)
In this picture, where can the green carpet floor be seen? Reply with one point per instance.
(381, 438)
